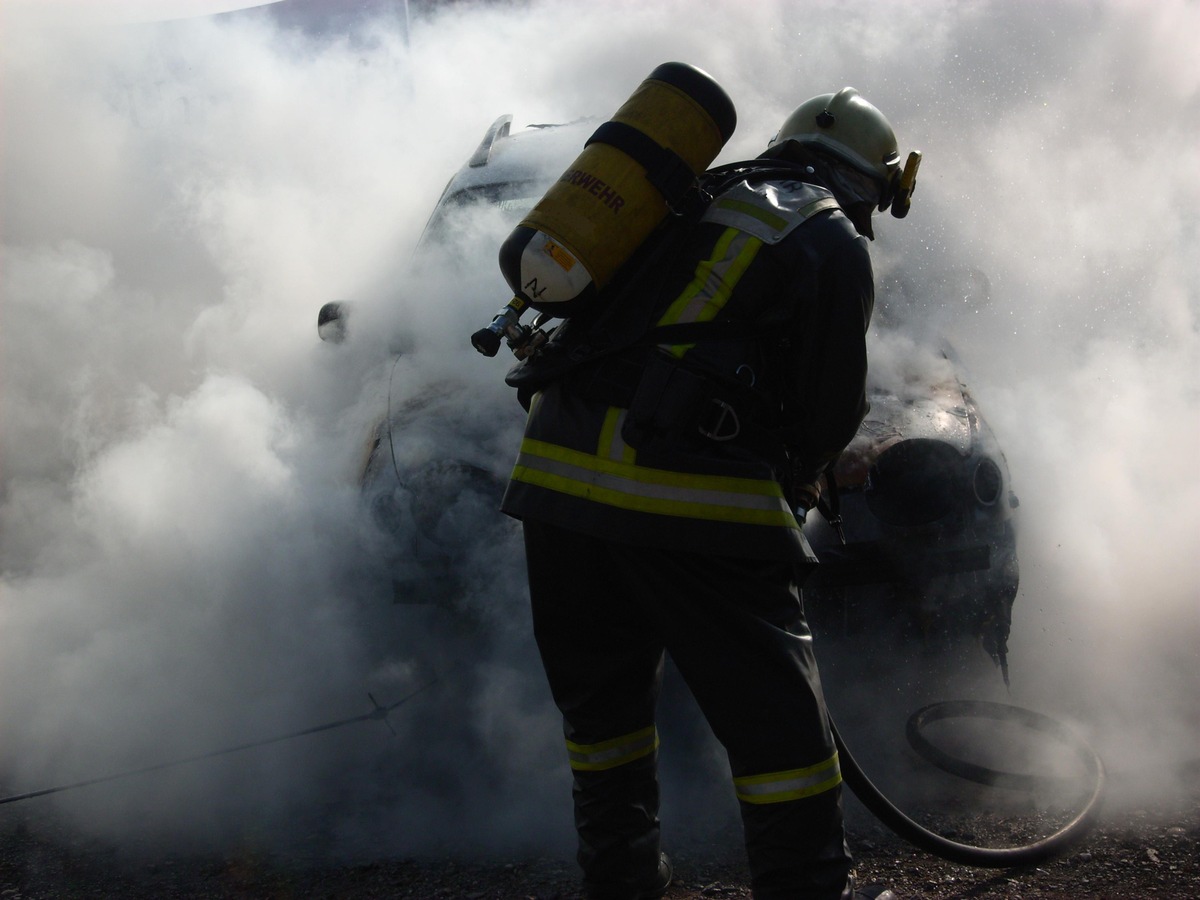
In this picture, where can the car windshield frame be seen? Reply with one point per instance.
(513, 198)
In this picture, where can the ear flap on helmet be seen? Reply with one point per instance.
(898, 193)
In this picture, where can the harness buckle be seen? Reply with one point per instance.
(725, 414)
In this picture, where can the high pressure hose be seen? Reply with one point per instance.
(982, 857)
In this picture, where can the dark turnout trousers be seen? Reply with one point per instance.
(603, 613)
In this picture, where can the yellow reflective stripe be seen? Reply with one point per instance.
(612, 753)
(796, 784)
(769, 212)
(645, 474)
(713, 283)
(721, 498)
(611, 445)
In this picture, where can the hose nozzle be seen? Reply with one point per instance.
(506, 324)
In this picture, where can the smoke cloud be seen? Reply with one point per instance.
(186, 562)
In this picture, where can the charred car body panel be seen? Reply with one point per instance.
(928, 515)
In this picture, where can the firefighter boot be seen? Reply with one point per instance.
(616, 816)
(651, 891)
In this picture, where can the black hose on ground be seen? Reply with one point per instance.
(379, 713)
(982, 857)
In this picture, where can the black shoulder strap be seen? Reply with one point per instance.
(665, 169)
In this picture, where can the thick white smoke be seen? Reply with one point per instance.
(186, 561)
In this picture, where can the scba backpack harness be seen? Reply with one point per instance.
(612, 352)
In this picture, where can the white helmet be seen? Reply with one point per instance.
(853, 131)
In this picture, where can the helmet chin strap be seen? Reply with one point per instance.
(856, 192)
(859, 215)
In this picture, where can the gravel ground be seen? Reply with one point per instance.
(1141, 848)
(1134, 853)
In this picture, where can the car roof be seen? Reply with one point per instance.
(527, 160)
(537, 153)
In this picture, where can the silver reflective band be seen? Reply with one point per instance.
(770, 211)
(612, 753)
(795, 784)
(629, 486)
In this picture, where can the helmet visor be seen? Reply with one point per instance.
(851, 186)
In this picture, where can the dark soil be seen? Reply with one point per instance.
(1134, 853)
(1141, 848)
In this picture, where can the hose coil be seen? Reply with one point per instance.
(982, 857)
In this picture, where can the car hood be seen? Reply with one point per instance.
(937, 411)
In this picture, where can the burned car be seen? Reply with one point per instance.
(922, 540)
(431, 459)
(920, 535)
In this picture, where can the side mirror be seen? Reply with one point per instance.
(331, 322)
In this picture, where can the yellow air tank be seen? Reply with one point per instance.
(632, 171)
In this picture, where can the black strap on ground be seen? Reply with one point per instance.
(379, 712)
(981, 857)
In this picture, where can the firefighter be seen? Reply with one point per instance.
(662, 490)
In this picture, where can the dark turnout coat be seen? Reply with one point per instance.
(687, 438)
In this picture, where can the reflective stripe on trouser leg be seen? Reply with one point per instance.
(794, 784)
(612, 753)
